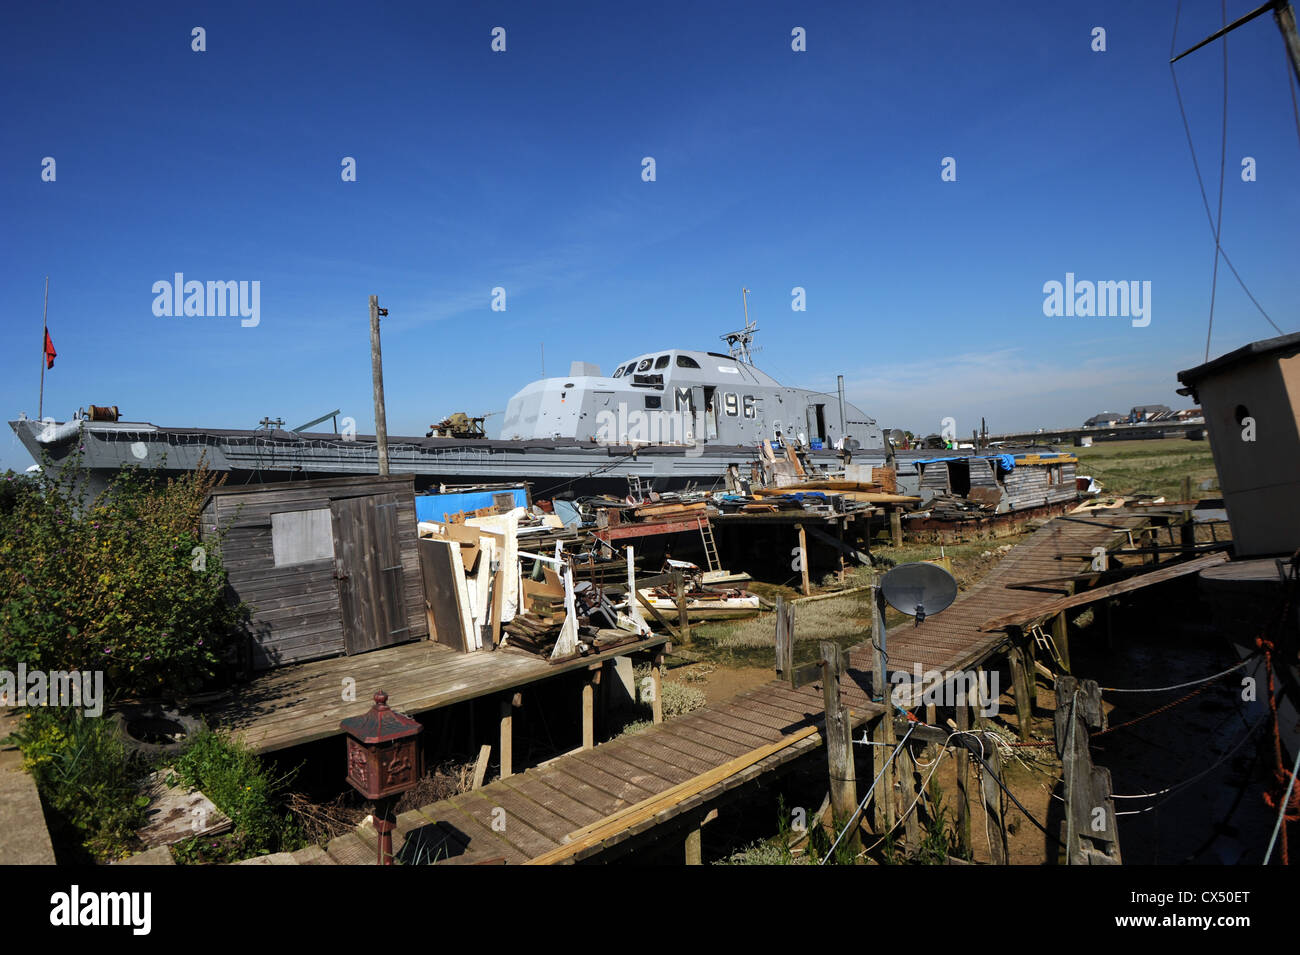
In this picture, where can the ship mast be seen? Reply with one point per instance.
(738, 342)
(1283, 14)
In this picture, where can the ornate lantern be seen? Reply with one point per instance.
(384, 761)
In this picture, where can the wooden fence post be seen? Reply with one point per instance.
(1021, 673)
(683, 619)
(657, 686)
(839, 744)
(1091, 837)
(994, 805)
(803, 559)
(963, 794)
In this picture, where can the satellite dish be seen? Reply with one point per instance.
(919, 589)
(896, 436)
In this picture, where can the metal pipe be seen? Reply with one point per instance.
(844, 424)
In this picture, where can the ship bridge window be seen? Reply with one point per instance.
(618, 372)
(645, 364)
(662, 361)
(686, 361)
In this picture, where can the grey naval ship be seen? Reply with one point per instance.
(668, 420)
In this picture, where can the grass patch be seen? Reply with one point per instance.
(1150, 467)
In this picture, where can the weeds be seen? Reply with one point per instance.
(241, 786)
(87, 780)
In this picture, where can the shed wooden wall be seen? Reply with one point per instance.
(295, 610)
(1026, 485)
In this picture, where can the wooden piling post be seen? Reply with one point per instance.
(839, 744)
(1021, 673)
(880, 674)
(994, 805)
(887, 789)
(803, 559)
(657, 686)
(963, 794)
(683, 619)
(1091, 837)
(896, 525)
(1061, 637)
(508, 705)
(909, 793)
(589, 705)
(695, 846)
(784, 639)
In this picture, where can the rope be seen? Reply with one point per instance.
(1187, 129)
(1170, 790)
(1277, 826)
(1179, 686)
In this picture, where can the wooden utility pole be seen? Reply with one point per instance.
(839, 744)
(377, 377)
(45, 330)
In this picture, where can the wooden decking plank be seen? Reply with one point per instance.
(572, 785)
(724, 747)
(482, 838)
(520, 811)
(619, 787)
(670, 775)
(718, 717)
(679, 752)
(574, 812)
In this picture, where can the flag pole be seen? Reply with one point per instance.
(45, 330)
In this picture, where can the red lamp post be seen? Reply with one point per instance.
(384, 761)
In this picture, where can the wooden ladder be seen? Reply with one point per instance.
(710, 545)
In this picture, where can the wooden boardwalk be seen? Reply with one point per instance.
(523, 816)
(304, 702)
(952, 640)
(526, 815)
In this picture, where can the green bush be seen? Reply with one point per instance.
(112, 583)
(86, 779)
(241, 785)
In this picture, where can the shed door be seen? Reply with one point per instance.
(368, 567)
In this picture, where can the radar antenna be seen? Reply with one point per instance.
(738, 342)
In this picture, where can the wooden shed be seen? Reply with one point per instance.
(1251, 398)
(326, 566)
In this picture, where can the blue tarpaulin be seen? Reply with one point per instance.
(439, 507)
(1005, 461)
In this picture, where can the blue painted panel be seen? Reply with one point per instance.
(438, 507)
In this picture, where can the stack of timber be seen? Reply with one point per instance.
(471, 578)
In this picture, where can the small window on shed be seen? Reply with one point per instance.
(662, 361)
(686, 361)
(301, 537)
(652, 401)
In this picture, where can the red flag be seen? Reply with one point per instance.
(50, 353)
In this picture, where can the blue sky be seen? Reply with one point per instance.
(522, 169)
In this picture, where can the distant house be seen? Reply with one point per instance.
(1104, 420)
(1149, 413)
